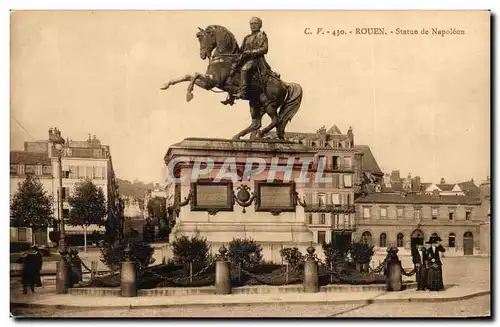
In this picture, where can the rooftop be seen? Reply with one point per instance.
(29, 158)
(391, 198)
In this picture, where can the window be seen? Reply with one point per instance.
(47, 170)
(346, 220)
(73, 172)
(366, 213)
(81, 172)
(97, 172)
(451, 240)
(336, 198)
(22, 234)
(347, 180)
(30, 169)
(400, 240)
(348, 198)
(383, 240)
(13, 169)
(65, 213)
(321, 237)
(97, 153)
(348, 163)
(417, 214)
(309, 218)
(400, 213)
(38, 169)
(468, 215)
(434, 213)
(89, 172)
(451, 214)
(335, 162)
(321, 199)
(20, 170)
(322, 219)
(383, 213)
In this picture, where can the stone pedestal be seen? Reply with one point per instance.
(219, 217)
(62, 276)
(394, 276)
(222, 273)
(128, 277)
(311, 273)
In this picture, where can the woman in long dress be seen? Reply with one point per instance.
(434, 271)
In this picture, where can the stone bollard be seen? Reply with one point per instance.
(127, 276)
(222, 274)
(62, 274)
(311, 272)
(394, 271)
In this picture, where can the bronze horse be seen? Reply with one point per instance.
(268, 92)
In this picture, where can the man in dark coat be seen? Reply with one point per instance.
(435, 271)
(29, 270)
(39, 264)
(419, 254)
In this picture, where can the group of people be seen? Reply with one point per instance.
(428, 265)
(31, 261)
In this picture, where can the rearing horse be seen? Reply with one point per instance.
(267, 94)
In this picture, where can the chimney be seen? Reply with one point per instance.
(395, 177)
(442, 181)
(418, 183)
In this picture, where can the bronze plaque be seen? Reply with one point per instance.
(275, 196)
(212, 195)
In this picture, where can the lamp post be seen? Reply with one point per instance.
(62, 277)
(59, 148)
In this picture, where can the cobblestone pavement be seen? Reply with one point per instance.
(479, 306)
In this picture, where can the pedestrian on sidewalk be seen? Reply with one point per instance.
(39, 264)
(419, 256)
(435, 270)
(29, 270)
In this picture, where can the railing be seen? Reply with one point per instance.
(330, 208)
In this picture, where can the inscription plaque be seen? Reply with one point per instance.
(209, 195)
(275, 196)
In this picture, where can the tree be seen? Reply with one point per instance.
(194, 250)
(88, 207)
(31, 206)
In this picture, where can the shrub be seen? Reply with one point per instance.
(194, 250)
(332, 255)
(361, 252)
(113, 254)
(293, 256)
(245, 252)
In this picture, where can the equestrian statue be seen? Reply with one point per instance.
(244, 73)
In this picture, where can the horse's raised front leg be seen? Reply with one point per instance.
(202, 80)
(176, 81)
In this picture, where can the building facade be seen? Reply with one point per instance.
(80, 160)
(330, 212)
(409, 219)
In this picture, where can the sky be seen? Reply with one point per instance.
(422, 103)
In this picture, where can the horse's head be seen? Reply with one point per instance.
(207, 42)
(216, 36)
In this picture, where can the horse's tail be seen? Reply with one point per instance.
(289, 107)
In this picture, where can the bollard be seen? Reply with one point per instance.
(62, 275)
(93, 269)
(222, 274)
(394, 276)
(311, 272)
(127, 276)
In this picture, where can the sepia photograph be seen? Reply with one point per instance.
(250, 164)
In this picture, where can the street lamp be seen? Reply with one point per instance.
(62, 277)
(62, 242)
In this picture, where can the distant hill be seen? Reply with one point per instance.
(135, 189)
